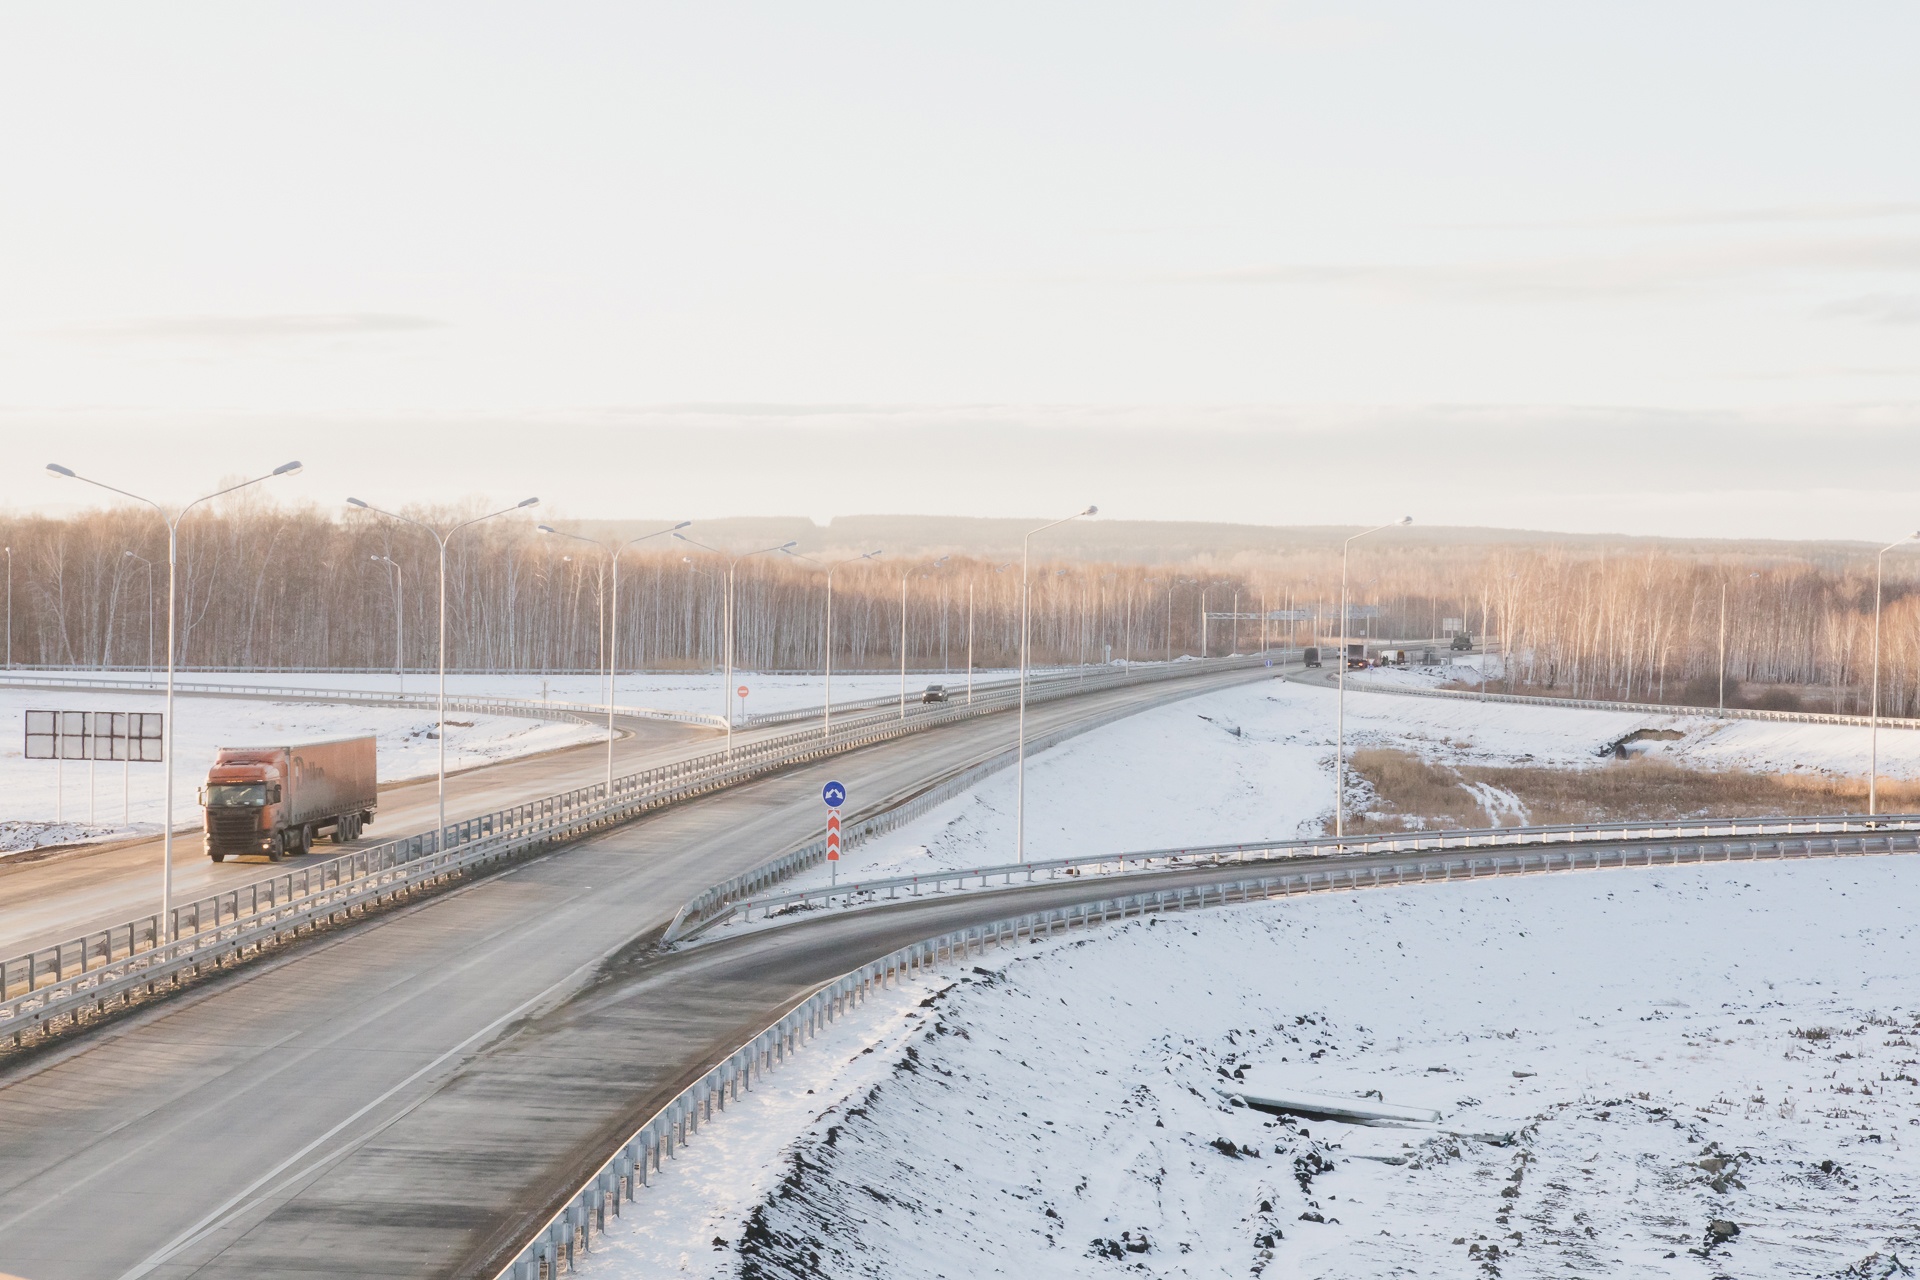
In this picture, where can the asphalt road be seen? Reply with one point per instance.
(390, 1100)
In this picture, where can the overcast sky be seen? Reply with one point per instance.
(1640, 267)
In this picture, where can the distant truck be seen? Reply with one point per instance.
(1310, 656)
(275, 800)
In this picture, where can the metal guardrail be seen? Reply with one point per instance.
(1366, 685)
(735, 897)
(536, 708)
(88, 972)
(618, 1181)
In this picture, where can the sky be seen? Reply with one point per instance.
(1632, 267)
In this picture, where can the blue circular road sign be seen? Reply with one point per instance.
(834, 794)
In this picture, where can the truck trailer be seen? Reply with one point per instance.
(276, 800)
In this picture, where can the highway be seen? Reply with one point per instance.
(388, 1099)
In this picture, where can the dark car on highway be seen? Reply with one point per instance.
(934, 693)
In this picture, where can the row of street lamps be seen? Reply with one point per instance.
(442, 536)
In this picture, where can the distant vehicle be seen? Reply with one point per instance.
(1311, 655)
(1357, 664)
(1393, 657)
(1462, 642)
(934, 693)
(275, 800)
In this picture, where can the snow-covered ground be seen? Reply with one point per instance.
(1255, 762)
(698, 691)
(1620, 1060)
(47, 803)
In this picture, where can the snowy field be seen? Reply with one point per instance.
(1620, 1061)
(699, 691)
(1256, 762)
(130, 799)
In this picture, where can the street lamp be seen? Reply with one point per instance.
(613, 551)
(727, 613)
(173, 561)
(1873, 707)
(399, 614)
(440, 538)
(905, 574)
(143, 560)
(826, 711)
(1340, 714)
(10, 608)
(1020, 747)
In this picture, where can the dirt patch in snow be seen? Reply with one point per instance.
(1395, 790)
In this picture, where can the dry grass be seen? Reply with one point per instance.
(1411, 793)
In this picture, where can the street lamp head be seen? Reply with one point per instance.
(1406, 520)
(785, 546)
(1091, 510)
(355, 502)
(684, 538)
(546, 528)
(55, 469)
(527, 502)
(288, 469)
(683, 524)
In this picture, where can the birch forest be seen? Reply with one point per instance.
(266, 587)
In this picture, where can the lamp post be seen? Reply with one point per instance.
(826, 711)
(727, 612)
(1873, 706)
(1723, 633)
(1340, 714)
(613, 551)
(173, 561)
(905, 574)
(10, 608)
(143, 560)
(399, 615)
(440, 538)
(1020, 747)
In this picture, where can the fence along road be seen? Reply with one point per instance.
(240, 1129)
(50, 899)
(105, 968)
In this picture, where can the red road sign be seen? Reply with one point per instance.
(742, 691)
(833, 835)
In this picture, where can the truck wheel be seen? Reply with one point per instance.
(277, 848)
(217, 857)
(305, 838)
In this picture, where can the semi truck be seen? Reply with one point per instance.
(277, 800)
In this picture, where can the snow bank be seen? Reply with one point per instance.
(1622, 1061)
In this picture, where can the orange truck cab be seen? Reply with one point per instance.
(277, 800)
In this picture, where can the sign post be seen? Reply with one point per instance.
(835, 796)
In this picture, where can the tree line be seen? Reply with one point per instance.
(272, 587)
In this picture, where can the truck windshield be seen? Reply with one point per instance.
(232, 795)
